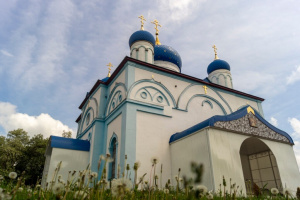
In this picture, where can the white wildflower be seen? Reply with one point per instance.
(176, 177)
(210, 196)
(274, 191)
(80, 194)
(201, 188)
(58, 188)
(95, 174)
(136, 165)
(154, 160)
(29, 190)
(166, 191)
(120, 186)
(12, 175)
(20, 189)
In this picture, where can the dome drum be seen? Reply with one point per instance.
(168, 55)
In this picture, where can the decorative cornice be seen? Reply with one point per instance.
(251, 125)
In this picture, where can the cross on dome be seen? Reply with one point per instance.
(215, 50)
(142, 21)
(156, 23)
(109, 69)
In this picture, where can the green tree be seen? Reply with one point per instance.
(33, 159)
(67, 134)
(19, 152)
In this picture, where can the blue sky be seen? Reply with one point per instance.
(52, 52)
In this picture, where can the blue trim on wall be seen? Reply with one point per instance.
(208, 102)
(112, 95)
(84, 118)
(156, 83)
(209, 97)
(233, 116)
(69, 143)
(152, 97)
(211, 88)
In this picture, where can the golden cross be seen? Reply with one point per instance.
(215, 50)
(156, 26)
(157, 42)
(142, 21)
(109, 69)
(205, 88)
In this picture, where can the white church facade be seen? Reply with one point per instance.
(147, 108)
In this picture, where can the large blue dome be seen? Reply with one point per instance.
(141, 35)
(217, 64)
(166, 53)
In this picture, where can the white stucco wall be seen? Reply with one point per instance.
(186, 90)
(72, 160)
(194, 148)
(138, 51)
(225, 152)
(167, 65)
(287, 164)
(168, 82)
(120, 79)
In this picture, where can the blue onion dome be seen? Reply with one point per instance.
(166, 53)
(105, 79)
(141, 35)
(217, 64)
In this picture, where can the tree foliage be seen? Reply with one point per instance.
(67, 134)
(19, 152)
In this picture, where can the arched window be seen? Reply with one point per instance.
(113, 149)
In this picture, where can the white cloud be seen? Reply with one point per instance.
(295, 76)
(274, 121)
(10, 119)
(295, 123)
(6, 53)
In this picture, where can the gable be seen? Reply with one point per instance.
(244, 121)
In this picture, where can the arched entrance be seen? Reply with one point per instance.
(259, 165)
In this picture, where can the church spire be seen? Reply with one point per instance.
(155, 22)
(215, 50)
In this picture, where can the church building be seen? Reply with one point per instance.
(147, 108)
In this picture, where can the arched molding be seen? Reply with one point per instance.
(84, 118)
(207, 102)
(96, 104)
(155, 87)
(211, 98)
(119, 89)
(197, 89)
(137, 49)
(154, 93)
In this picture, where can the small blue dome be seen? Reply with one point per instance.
(141, 35)
(217, 64)
(166, 53)
(105, 79)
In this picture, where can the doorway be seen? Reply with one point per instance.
(259, 165)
